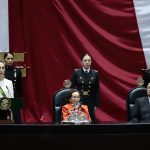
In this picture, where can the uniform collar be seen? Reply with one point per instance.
(9, 66)
(86, 70)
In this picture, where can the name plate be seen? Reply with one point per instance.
(75, 122)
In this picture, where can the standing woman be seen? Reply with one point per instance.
(15, 75)
(6, 88)
(86, 80)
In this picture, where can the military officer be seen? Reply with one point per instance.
(15, 75)
(86, 80)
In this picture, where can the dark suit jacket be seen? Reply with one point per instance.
(141, 110)
(87, 82)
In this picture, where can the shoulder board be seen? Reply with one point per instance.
(95, 70)
(76, 69)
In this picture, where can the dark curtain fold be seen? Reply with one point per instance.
(56, 33)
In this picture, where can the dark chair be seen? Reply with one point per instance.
(133, 94)
(59, 99)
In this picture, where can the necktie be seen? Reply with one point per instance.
(86, 72)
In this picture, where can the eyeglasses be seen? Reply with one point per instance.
(75, 97)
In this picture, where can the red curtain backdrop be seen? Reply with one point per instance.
(55, 33)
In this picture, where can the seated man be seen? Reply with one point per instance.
(141, 109)
(73, 111)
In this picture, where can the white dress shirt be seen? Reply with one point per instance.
(88, 70)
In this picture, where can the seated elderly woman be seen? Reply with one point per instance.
(74, 111)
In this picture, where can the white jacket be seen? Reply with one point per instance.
(7, 87)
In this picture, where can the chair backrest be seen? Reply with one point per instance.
(133, 94)
(59, 99)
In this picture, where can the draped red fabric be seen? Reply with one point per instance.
(55, 34)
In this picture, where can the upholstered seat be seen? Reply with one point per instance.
(59, 99)
(133, 94)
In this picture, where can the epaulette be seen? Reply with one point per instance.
(95, 70)
(76, 69)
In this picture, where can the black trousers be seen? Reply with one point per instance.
(16, 116)
(89, 102)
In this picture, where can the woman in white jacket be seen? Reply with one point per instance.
(6, 90)
(6, 86)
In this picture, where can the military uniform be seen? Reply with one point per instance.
(88, 85)
(15, 75)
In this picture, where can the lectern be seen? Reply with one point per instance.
(8, 109)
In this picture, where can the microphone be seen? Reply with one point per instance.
(8, 91)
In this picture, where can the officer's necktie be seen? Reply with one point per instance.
(86, 72)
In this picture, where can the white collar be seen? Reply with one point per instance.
(88, 70)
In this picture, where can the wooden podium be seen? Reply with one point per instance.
(16, 105)
(9, 121)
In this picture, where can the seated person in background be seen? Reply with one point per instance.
(145, 79)
(73, 111)
(141, 109)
